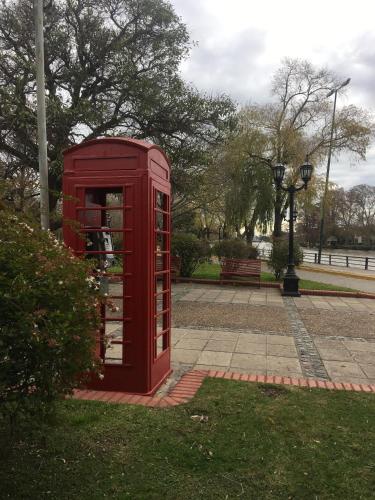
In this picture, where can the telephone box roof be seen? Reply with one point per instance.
(137, 143)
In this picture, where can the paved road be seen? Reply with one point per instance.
(363, 285)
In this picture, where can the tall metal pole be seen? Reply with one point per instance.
(41, 114)
(324, 201)
(323, 204)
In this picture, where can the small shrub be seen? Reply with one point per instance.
(235, 249)
(48, 318)
(278, 260)
(191, 251)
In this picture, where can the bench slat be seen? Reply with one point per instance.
(241, 267)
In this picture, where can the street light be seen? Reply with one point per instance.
(322, 207)
(291, 279)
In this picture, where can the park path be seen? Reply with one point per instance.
(256, 331)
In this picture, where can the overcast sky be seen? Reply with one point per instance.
(240, 43)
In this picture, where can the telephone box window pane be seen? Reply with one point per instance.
(160, 221)
(115, 286)
(159, 263)
(161, 323)
(160, 242)
(160, 200)
(104, 265)
(117, 264)
(159, 345)
(114, 219)
(101, 219)
(103, 240)
(113, 350)
(114, 308)
(161, 283)
(107, 197)
(161, 303)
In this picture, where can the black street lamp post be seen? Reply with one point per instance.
(291, 279)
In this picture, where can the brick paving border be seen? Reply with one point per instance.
(311, 362)
(187, 387)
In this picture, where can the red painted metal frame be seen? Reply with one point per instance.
(140, 171)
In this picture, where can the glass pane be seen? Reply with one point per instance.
(107, 197)
(159, 347)
(161, 303)
(160, 221)
(117, 265)
(161, 323)
(106, 262)
(103, 241)
(160, 200)
(113, 334)
(101, 218)
(161, 283)
(115, 286)
(159, 263)
(114, 219)
(160, 242)
(114, 308)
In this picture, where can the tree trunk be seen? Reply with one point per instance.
(249, 233)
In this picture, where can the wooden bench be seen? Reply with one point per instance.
(240, 267)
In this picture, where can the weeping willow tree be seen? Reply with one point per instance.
(249, 194)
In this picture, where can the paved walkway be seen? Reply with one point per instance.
(246, 330)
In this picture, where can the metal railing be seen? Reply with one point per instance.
(337, 260)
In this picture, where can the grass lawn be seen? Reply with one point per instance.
(261, 442)
(212, 271)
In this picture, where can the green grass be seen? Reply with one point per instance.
(261, 442)
(212, 271)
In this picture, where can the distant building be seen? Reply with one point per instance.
(332, 241)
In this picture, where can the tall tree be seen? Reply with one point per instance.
(363, 196)
(298, 122)
(111, 68)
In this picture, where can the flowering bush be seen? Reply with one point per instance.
(48, 318)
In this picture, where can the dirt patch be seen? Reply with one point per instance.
(273, 391)
(241, 316)
(339, 323)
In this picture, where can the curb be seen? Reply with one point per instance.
(337, 293)
(187, 387)
(203, 281)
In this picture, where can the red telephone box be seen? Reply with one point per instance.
(117, 212)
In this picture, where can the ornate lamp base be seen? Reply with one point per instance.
(290, 287)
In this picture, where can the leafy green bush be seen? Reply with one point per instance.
(278, 259)
(235, 249)
(191, 251)
(48, 318)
